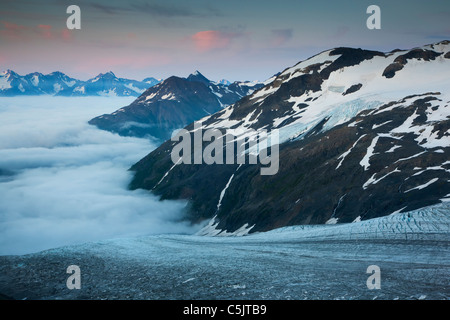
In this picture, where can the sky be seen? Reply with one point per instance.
(233, 39)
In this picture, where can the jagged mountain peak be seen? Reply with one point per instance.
(106, 75)
(152, 81)
(197, 76)
(9, 72)
(110, 73)
(35, 74)
(196, 73)
(224, 82)
(57, 73)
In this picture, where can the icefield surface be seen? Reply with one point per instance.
(301, 262)
(427, 223)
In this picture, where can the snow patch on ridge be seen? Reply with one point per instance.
(345, 154)
(211, 230)
(372, 179)
(423, 186)
(370, 152)
(222, 193)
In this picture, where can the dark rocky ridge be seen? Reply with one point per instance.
(171, 105)
(402, 60)
(194, 99)
(353, 88)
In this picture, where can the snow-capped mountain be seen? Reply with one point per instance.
(173, 104)
(57, 83)
(224, 82)
(12, 84)
(107, 84)
(152, 81)
(362, 133)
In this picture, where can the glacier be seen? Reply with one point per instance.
(298, 262)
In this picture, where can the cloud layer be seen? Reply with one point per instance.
(65, 182)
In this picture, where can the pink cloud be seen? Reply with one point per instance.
(66, 34)
(45, 31)
(213, 39)
(15, 32)
(12, 31)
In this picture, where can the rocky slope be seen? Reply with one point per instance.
(363, 134)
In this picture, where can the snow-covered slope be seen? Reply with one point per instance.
(323, 87)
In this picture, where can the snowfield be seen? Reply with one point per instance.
(330, 103)
(300, 262)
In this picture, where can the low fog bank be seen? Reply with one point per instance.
(64, 182)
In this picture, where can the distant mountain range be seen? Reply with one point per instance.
(59, 84)
(173, 104)
(363, 134)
